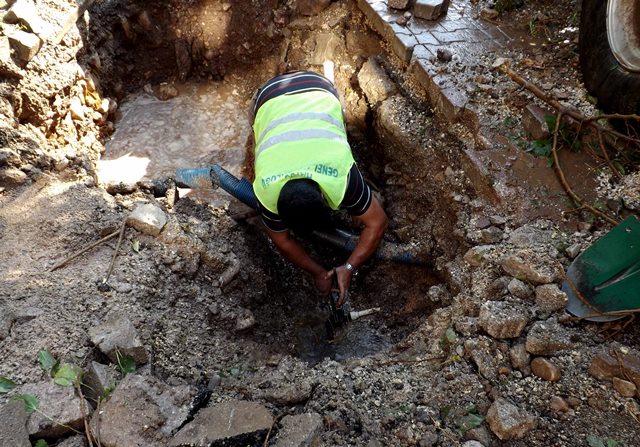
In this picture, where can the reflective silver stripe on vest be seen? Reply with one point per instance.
(301, 116)
(300, 135)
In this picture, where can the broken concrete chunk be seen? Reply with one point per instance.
(13, 429)
(573, 250)
(483, 351)
(374, 82)
(240, 422)
(548, 338)
(504, 319)
(118, 337)
(99, 380)
(63, 410)
(26, 45)
(534, 122)
(550, 298)
(148, 219)
(430, 9)
(545, 369)
(292, 394)
(301, 430)
(142, 411)
(508, 421)
(529, 236)
(528, 266)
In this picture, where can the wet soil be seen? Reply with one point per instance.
(373, 384)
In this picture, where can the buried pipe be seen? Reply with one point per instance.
(242, 190)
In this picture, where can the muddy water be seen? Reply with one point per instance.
(206, 123)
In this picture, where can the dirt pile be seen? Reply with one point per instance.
(200, 317)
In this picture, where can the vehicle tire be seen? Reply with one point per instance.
(616, 85)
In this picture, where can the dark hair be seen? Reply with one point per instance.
(302, 206)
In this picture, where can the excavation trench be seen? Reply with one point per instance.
(184, 90)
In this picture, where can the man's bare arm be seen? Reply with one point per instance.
(294, 252)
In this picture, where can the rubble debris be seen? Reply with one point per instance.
(236, 420)
(519, 289)
(504, 319)
(508, 421)
(550, 298)
(548, 338)
(375, 83)
(529, 266)
(148, 219)
(117, 337)
(624, 387)
(624, 364)
(99, 380)
(13, 430)
(59, 410)
(534, 122)
(299, 430)
(519, 356)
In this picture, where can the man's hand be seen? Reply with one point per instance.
(323, 282)
(343, 277)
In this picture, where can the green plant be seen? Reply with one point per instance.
(596, 441)
(125, 363)
(64, 374)
(41, 443)
(6, 385)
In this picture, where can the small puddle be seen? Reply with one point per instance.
(354, 340)
(204, 124)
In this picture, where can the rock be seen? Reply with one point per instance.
(548, 338)
(534, 122)
(528, 236)
(550, 298)
(497, 289)
(430, 9)
(291, 394)
(13, 429)
(480, 434)
(99, 380)
(26, 45)
(25, 13)
(479, 255)
(5, 50)
(166, 91)
(60, 405)
(142, 411)
(489, 13)
(237, 422)
(148, 219)
(302, 430)
(245, 321)
(491, 235)
(7, 317)
(609, 364)
(118, 337)
(508, 421)
(558, 404)
(444, 55)
(473, 443)
(311, 7)
(624, 387)
(573, 250)
(529, 266)
(504, 319)
(519, 356)
(545, 369)
(519, 289)
(12, 177)
(483, 222)
(374, 82)
(498, 221)
(484, 353)
(76, 109)
(74, 441)
(398, 4)
(466, 326)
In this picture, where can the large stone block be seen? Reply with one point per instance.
(375, 83)
(237, 422)
(430, 9)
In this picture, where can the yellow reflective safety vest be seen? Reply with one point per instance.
(301, 135)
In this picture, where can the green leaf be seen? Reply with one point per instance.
(41, 443)
(471, 421)
(451, 335)
(444, 412)
(135, 245)
(6, 385)
(595, 441)
(31, 402)
(66, 375)
(551, 122)
(46, 360)
(612, 443)
(619, 167)
(234, 372)
(126, 363)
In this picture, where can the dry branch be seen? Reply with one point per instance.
(84, 250)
